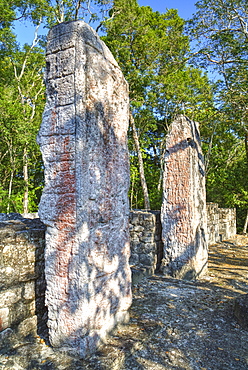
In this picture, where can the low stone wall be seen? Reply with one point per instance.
(212, 222)
(227, 223)
(145, 242)
(146, 239)
(22, 280)
(221, 223)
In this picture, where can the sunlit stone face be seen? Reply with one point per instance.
(83, 139)
(183, 213)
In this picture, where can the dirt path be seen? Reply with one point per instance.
(174, 325)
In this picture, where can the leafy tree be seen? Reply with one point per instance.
(152, 51)
(22, 97)
(220, 27)
(21, 106)
(48, 12)
(66, 10)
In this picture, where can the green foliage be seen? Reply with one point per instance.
(220, 29)
(226, 163)
(164, 79)
(152, 51)
(20, 9)
(67, 10)
(50, 12)
(21, 105)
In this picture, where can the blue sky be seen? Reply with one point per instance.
(185, 7)
(25, 31)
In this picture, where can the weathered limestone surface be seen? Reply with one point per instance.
(183, 213)
(213, 223)
(22, 281)
(145, 241)
(227, 222)
(221, 223)
(83, 139)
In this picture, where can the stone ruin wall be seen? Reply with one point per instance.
(22, 275)
(22, 278)
(83, 140)
(84, 205)
(227, 223)
(221, 223)
(213, 222)
(145, 242)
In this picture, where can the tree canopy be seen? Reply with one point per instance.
(152, 51)
(219, 29)
(168, 64)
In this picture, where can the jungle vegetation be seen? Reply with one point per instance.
(196, 67)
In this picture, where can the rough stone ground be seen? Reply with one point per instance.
(174, 325)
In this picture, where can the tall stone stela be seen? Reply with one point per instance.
(183, 213)
(83, 140)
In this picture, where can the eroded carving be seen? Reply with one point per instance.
(83, 139)
(183, 211)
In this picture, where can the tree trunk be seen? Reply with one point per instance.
(10, 189)
(132, 191)
(25, 177)
(141, 164)
(246, 151)
(246, 224)
(11, 158)
(246, 147)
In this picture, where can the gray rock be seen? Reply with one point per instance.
(241, 310)
(183, 213)
(83, 139)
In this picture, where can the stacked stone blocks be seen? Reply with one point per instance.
(22, 278)
(145, 241)
(212, 222)
(221, 223)
(227, 223)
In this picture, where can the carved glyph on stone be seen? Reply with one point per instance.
(83, 139)
(183, 213)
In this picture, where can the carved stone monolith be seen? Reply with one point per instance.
(183, 213)
(83, 140)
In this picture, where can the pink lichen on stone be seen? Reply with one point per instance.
(83, 139)
(183, 213)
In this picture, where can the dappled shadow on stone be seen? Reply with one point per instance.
(22, 282)
(84, 204)
(174, 324)
(183, 211)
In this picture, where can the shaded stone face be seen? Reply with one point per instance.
(83, 139)
(183, 212)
